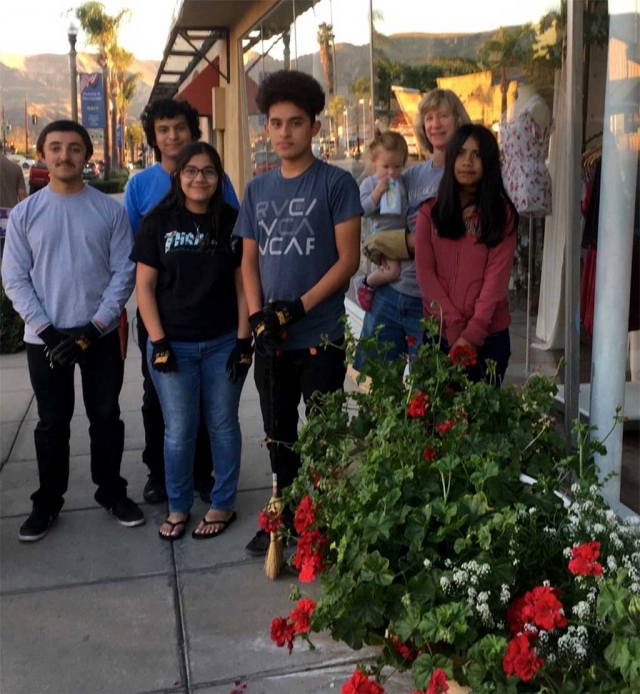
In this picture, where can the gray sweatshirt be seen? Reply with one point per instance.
(66, 260)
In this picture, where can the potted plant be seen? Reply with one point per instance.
(412, 512)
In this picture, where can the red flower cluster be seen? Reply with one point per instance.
(437, 683)
(282, 631)
(270, 520)
(308, 556)
(520, 659)
(514, 615)
(418, 406)
(543, 609)
(305, 515)
(429, 454)
(406, 652)
(361, 684)
(411, 340)
(301, 615)
(584, 560)
(443, 427)
(463, 355)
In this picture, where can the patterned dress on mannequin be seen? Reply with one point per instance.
(525, 145)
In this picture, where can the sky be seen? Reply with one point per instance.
(37, 26)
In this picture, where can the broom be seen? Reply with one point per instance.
(273, 561)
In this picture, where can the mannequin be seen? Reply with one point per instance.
(525, 131)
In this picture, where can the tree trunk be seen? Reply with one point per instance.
(107, 115)
(114, 122)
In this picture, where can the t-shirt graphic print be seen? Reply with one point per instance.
(293, 222)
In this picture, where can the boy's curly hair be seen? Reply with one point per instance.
(168, 108)
(294, 86)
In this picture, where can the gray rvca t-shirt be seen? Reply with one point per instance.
(293, 221)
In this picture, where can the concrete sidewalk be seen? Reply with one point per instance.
(96, 607)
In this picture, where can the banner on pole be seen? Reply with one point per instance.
(92, 100)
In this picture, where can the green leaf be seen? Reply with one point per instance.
(623, 653)
(376, 525)
(460, 545)
(424, 666)
(484, 537)
(612, 602)
(376, 570)
(407, 625)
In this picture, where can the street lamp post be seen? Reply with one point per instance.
(346, 121)
(72, 34)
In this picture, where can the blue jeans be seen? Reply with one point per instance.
(401, 317)
(202, 377)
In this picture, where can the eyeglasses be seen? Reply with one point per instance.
(191, 172)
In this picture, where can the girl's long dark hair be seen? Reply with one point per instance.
(174, 201)
(491, 197)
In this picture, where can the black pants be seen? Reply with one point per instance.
(281, 381)
(153, 421)
(102, 373)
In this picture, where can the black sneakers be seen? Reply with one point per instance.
(126, 512)
(37, 525)
(155, 491)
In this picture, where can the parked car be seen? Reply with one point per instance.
(38, 176)
(265, 161)
(90, 171)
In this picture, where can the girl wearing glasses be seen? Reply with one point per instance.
(191, 300)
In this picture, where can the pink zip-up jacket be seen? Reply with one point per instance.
(464, 280)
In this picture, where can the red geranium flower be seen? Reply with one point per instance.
(282, 632)
(411, 340)
(543, 609)
(429, 454)
(305, 515)
(514, 615)
(418, 406)
(463, 355)
(308, 557)
(361, 684)
(520, 659)
(269, 520)
(584, 560)
(443, 427)
(406, 652)
(301, 615)
(438, 682)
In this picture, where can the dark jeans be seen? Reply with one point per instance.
(281, 381)
(102, 373)
(496, 347)
(153, 421)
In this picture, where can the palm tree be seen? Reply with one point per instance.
(509, 48)
(120, 61)
(325, 41)
(127, 92)
(101, 31)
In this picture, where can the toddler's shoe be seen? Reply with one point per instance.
(364, 295)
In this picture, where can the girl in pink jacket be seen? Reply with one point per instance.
(465, 243)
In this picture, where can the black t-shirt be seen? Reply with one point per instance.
(196, 292)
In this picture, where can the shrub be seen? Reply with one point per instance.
(11, 327)
(109, 187)
(432, 544)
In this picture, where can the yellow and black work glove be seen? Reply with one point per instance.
(163, 358)
(71, 350)
(267, 342)
(281, 314)
(51, 338)
(239, 361)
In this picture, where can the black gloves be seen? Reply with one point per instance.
(77, 342)
(163, 358)
(267, 343)
(51, 338)
(280, 314)
(239, 360)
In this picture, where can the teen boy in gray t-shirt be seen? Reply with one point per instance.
(301, 229)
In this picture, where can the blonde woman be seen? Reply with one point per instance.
(398, 306)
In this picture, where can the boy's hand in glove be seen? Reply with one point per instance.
(163, 358)
(281, 314)
(73, 347)
(239, 360)
(267, 342)
(51, 338)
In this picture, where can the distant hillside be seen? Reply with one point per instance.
(45, 79)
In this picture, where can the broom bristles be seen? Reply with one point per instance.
(274, 558)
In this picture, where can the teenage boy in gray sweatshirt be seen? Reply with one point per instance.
(66, 269)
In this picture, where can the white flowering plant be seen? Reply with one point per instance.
(440, 518)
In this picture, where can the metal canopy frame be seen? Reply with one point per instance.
(192, 43)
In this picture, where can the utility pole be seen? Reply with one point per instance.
(26, 129)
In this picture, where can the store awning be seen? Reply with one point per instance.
(198, 24)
